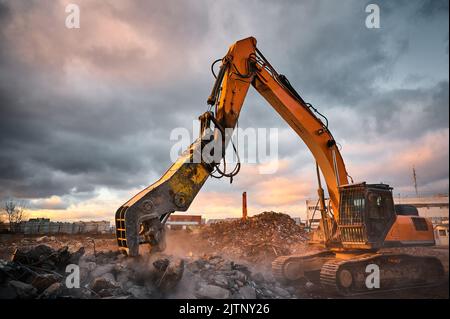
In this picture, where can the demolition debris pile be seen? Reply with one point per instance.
(35, 272)
(38, 266)
(41, 272)
(259, 238)
(212, 276)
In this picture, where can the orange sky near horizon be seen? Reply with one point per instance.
(284, 191)
(118, 51)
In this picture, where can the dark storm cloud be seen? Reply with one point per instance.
(94, 107)
(56, 140)
(399, 113)
(431, 8)
(4, 17)
(332, 59)
(4, 12)
(100, 144)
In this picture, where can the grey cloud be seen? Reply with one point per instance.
(431, 173)
(431, 8)
(63, 135)
(45, 204)
(398, 113)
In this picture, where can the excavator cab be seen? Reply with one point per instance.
(366, 214)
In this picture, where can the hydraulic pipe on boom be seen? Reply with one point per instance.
(322, 206)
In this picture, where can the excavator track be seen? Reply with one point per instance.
(287, 269)
(348, 277)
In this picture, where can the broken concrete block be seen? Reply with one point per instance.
(138, 292)
(32, 255)
(75, 257)
(281, 292)
(161, 264)
(101, 283)
(247, 292)
(102, 269)
(168, 273)
(41, 239)
(258, 277)
(23, 290)
(309, 285)
(220, 280)
(213, 292)
(43, 281)
(54, 291)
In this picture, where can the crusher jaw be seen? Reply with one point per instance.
(141, 219)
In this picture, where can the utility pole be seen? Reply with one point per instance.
(415, 180)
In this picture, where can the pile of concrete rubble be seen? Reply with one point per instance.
(259, 238)
(36, 272)
(41, 272)
(212, 276)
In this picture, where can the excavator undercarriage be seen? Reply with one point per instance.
(350, 275)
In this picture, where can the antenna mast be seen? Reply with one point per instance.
(415, 181)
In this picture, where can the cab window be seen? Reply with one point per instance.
(377, 206)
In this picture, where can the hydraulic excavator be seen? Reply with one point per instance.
(357, 220)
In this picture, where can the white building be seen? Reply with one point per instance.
(441, 235)
(184, 221)
(434, 207)
(43, 226)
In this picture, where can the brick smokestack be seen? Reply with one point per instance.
(244, 206)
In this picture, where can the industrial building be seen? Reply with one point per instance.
(44, 226)
(218, 220)
(176, 222)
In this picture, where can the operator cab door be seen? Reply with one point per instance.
(380, 214)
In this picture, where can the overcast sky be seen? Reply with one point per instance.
(86, 114)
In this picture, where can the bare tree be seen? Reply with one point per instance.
(15, 213)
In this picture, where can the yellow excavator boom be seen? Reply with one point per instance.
(243, 65)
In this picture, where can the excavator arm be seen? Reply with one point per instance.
(142, 218)
(362, 218)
